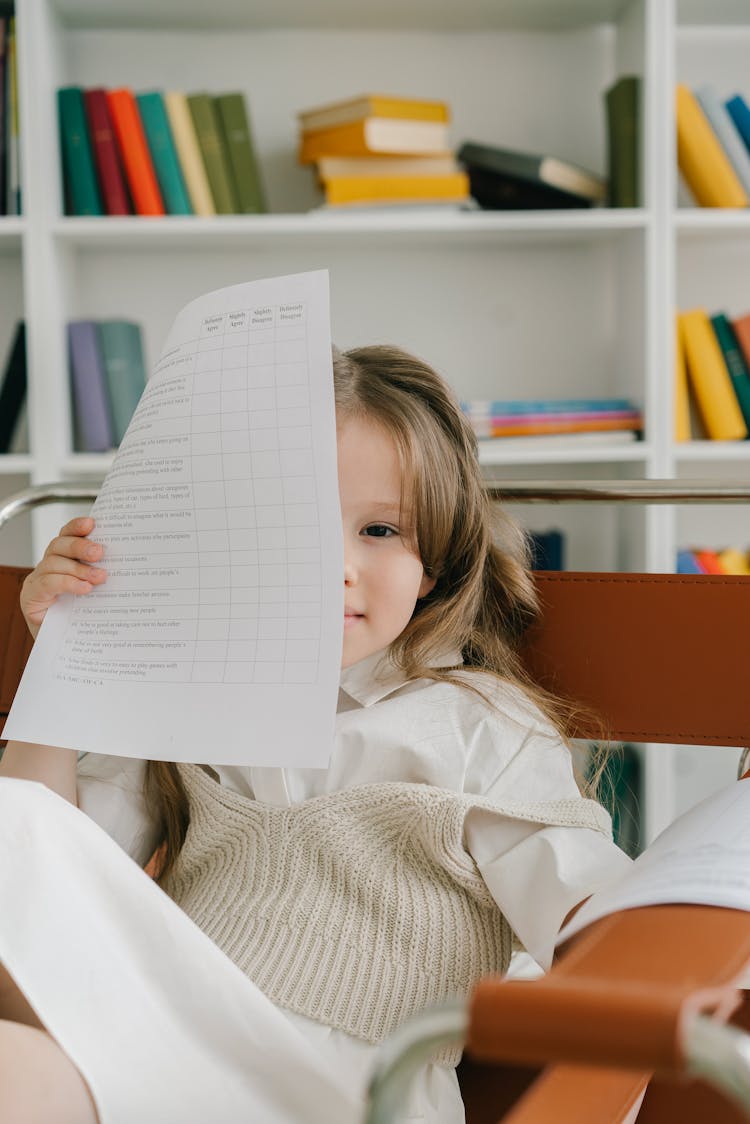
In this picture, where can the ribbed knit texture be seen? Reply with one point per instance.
(356, 909)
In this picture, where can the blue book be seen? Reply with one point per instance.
(687, 563)
(88, 384)
(163, 153)
(739, 111)
(485, 407)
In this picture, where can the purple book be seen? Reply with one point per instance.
(88, 383)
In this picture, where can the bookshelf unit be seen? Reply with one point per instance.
(536, 304)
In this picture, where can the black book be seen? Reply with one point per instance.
(13, 389)
(505, 179)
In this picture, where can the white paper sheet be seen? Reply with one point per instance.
(217, 635)
(702, 858)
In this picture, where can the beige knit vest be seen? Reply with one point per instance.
(356, 909)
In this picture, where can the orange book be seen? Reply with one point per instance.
(595, 425)
(709, 561)
(742, 331)
(701, 158)
(136, 158)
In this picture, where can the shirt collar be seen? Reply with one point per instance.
(376, 676)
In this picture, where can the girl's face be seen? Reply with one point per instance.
(383, 577)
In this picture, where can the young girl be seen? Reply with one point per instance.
(307, 912)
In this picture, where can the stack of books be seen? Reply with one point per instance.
(508, 179)
(378, 150)
(712, 376)
(154, 154)
(616, 419)
(713, 146)
(10, 159)
(702, 560)
(107, 377)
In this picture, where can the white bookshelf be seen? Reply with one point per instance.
(532, 304)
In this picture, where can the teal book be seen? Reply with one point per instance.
(243, 164)
(215, 157)
(163, 153)
(79, 176)
(734, 358)
(124, 370)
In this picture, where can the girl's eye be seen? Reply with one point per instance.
(379, 531)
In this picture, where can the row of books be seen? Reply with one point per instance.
(550, 417)
(712, 376)
(107, 377)
(701, 560)
(155, 153)
(382, 149)
(10, 159)
(713, 146)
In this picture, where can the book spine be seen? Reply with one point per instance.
(4, 21)
(701, 159)
(124, 371)
(709, 561)
(687, 563)
(572, 416)
(709, 378)
(742, 334)
(13, 388)
(235, 130)
(734, 561)
(682, 427)
(738, 110)
(13, 182)
(215, 159)
(623, 142)
(488, 407)
(735, 362)
(106, 157)
(136, 158)
(90, 399)
(189, 153)
(82, 190)
(163, 153)
(539, 427)
(374, 188)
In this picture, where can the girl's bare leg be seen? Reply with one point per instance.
(38, 1082)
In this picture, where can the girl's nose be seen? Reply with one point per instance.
(350, 569)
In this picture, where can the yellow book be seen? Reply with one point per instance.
(328, 167)
(396, 189)
(734, 561)
(709, 378)
(372, 105)
(682, 431)
(189, 153)
(701, 158)
(385, 135)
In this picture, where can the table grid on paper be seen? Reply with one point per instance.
(214, 564)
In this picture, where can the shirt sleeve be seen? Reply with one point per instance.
(537, 873)
(110, 792)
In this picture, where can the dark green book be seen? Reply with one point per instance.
(238, 142)
(163, 153)
(124, 370)
(79, 176)
(215, 158)
(13, 388)
(622, 102)
(735, 361)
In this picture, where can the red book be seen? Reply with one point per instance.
(709, 562)
(106, 157)
(136, 157)
(742, 330)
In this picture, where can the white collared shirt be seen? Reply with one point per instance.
(427, 732)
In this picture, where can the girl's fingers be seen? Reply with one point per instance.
(81, 525)
(71, 546)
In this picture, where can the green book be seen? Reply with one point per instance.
(124, 370)
(623, 141)
(735, 361)
(215, 158)
(238, 141)
(79, 176)
(163, 153)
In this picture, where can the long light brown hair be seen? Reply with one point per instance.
(484, 596)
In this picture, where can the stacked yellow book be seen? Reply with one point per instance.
(376, 149)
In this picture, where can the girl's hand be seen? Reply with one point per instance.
(64, 569)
